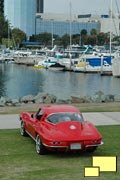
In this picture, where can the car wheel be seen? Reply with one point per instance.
(40, 149)
(22, 129)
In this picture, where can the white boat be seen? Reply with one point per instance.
(85, 67)
(57, 67)
(116, 65)
(28, 57)
(45, 63)
(93, 69)
(6, 56)
(1, 58)
(105, 69)
(58, 60)
(9, 60)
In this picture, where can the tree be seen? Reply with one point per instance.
(83, 34)
(76, 39)
(101, 37)
(3, 27)
(93, 32)
(65, 40)
(116, 40)
(45, 38)
(91, 40)
(18, 36)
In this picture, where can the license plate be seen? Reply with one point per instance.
(75, 146)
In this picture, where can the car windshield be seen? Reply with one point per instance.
(64, 117)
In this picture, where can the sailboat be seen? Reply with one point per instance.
(116, 65)
(116, 62)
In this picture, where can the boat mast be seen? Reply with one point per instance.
(70, 35)
(111, 25)
(70, 25)
(8, 35)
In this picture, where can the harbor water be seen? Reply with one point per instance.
(20, 80)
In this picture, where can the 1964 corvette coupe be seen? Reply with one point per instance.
(61, 128)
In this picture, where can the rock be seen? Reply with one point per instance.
(39, 98)
(50, 99)
(117, 98)
(30, 102)
(77, 99)
(27, 99)
(2, 101)
(9, 104)
(15, 102)
(99, 93)
(46, 98)
(98, 97)
(103, 98)
(61, 101)
(110, 98)
(53, 98)
(8, 100)
(87, 99)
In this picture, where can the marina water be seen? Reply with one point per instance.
(20, 80)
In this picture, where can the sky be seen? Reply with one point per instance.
(80, 6)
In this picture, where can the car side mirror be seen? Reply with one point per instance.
(32, 115)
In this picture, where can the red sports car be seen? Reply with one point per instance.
(61, 128)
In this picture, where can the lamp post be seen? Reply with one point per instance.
(35, 24)
(8, 34)
(52, 39)
(36, 17)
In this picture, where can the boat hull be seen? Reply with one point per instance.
(116, 67)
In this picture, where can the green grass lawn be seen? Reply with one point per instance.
(19, 160)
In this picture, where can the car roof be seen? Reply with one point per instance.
(59, 108)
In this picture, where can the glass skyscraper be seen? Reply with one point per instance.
(21, 14)
(39, 6)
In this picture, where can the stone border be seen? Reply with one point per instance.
(98, 97)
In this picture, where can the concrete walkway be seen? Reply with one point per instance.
(103, 118)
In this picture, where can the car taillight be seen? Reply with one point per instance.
(96, 141)
(55, 142)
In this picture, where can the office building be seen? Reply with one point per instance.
(21, 14)
(28, 16)
(39, 6)
(59, 24)
(1, 6)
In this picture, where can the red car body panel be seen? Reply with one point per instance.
(71, 135)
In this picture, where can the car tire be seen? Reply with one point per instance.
(22, 129)
(40, 149)
(92, 149)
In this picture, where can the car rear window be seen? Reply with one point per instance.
(64, 117)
